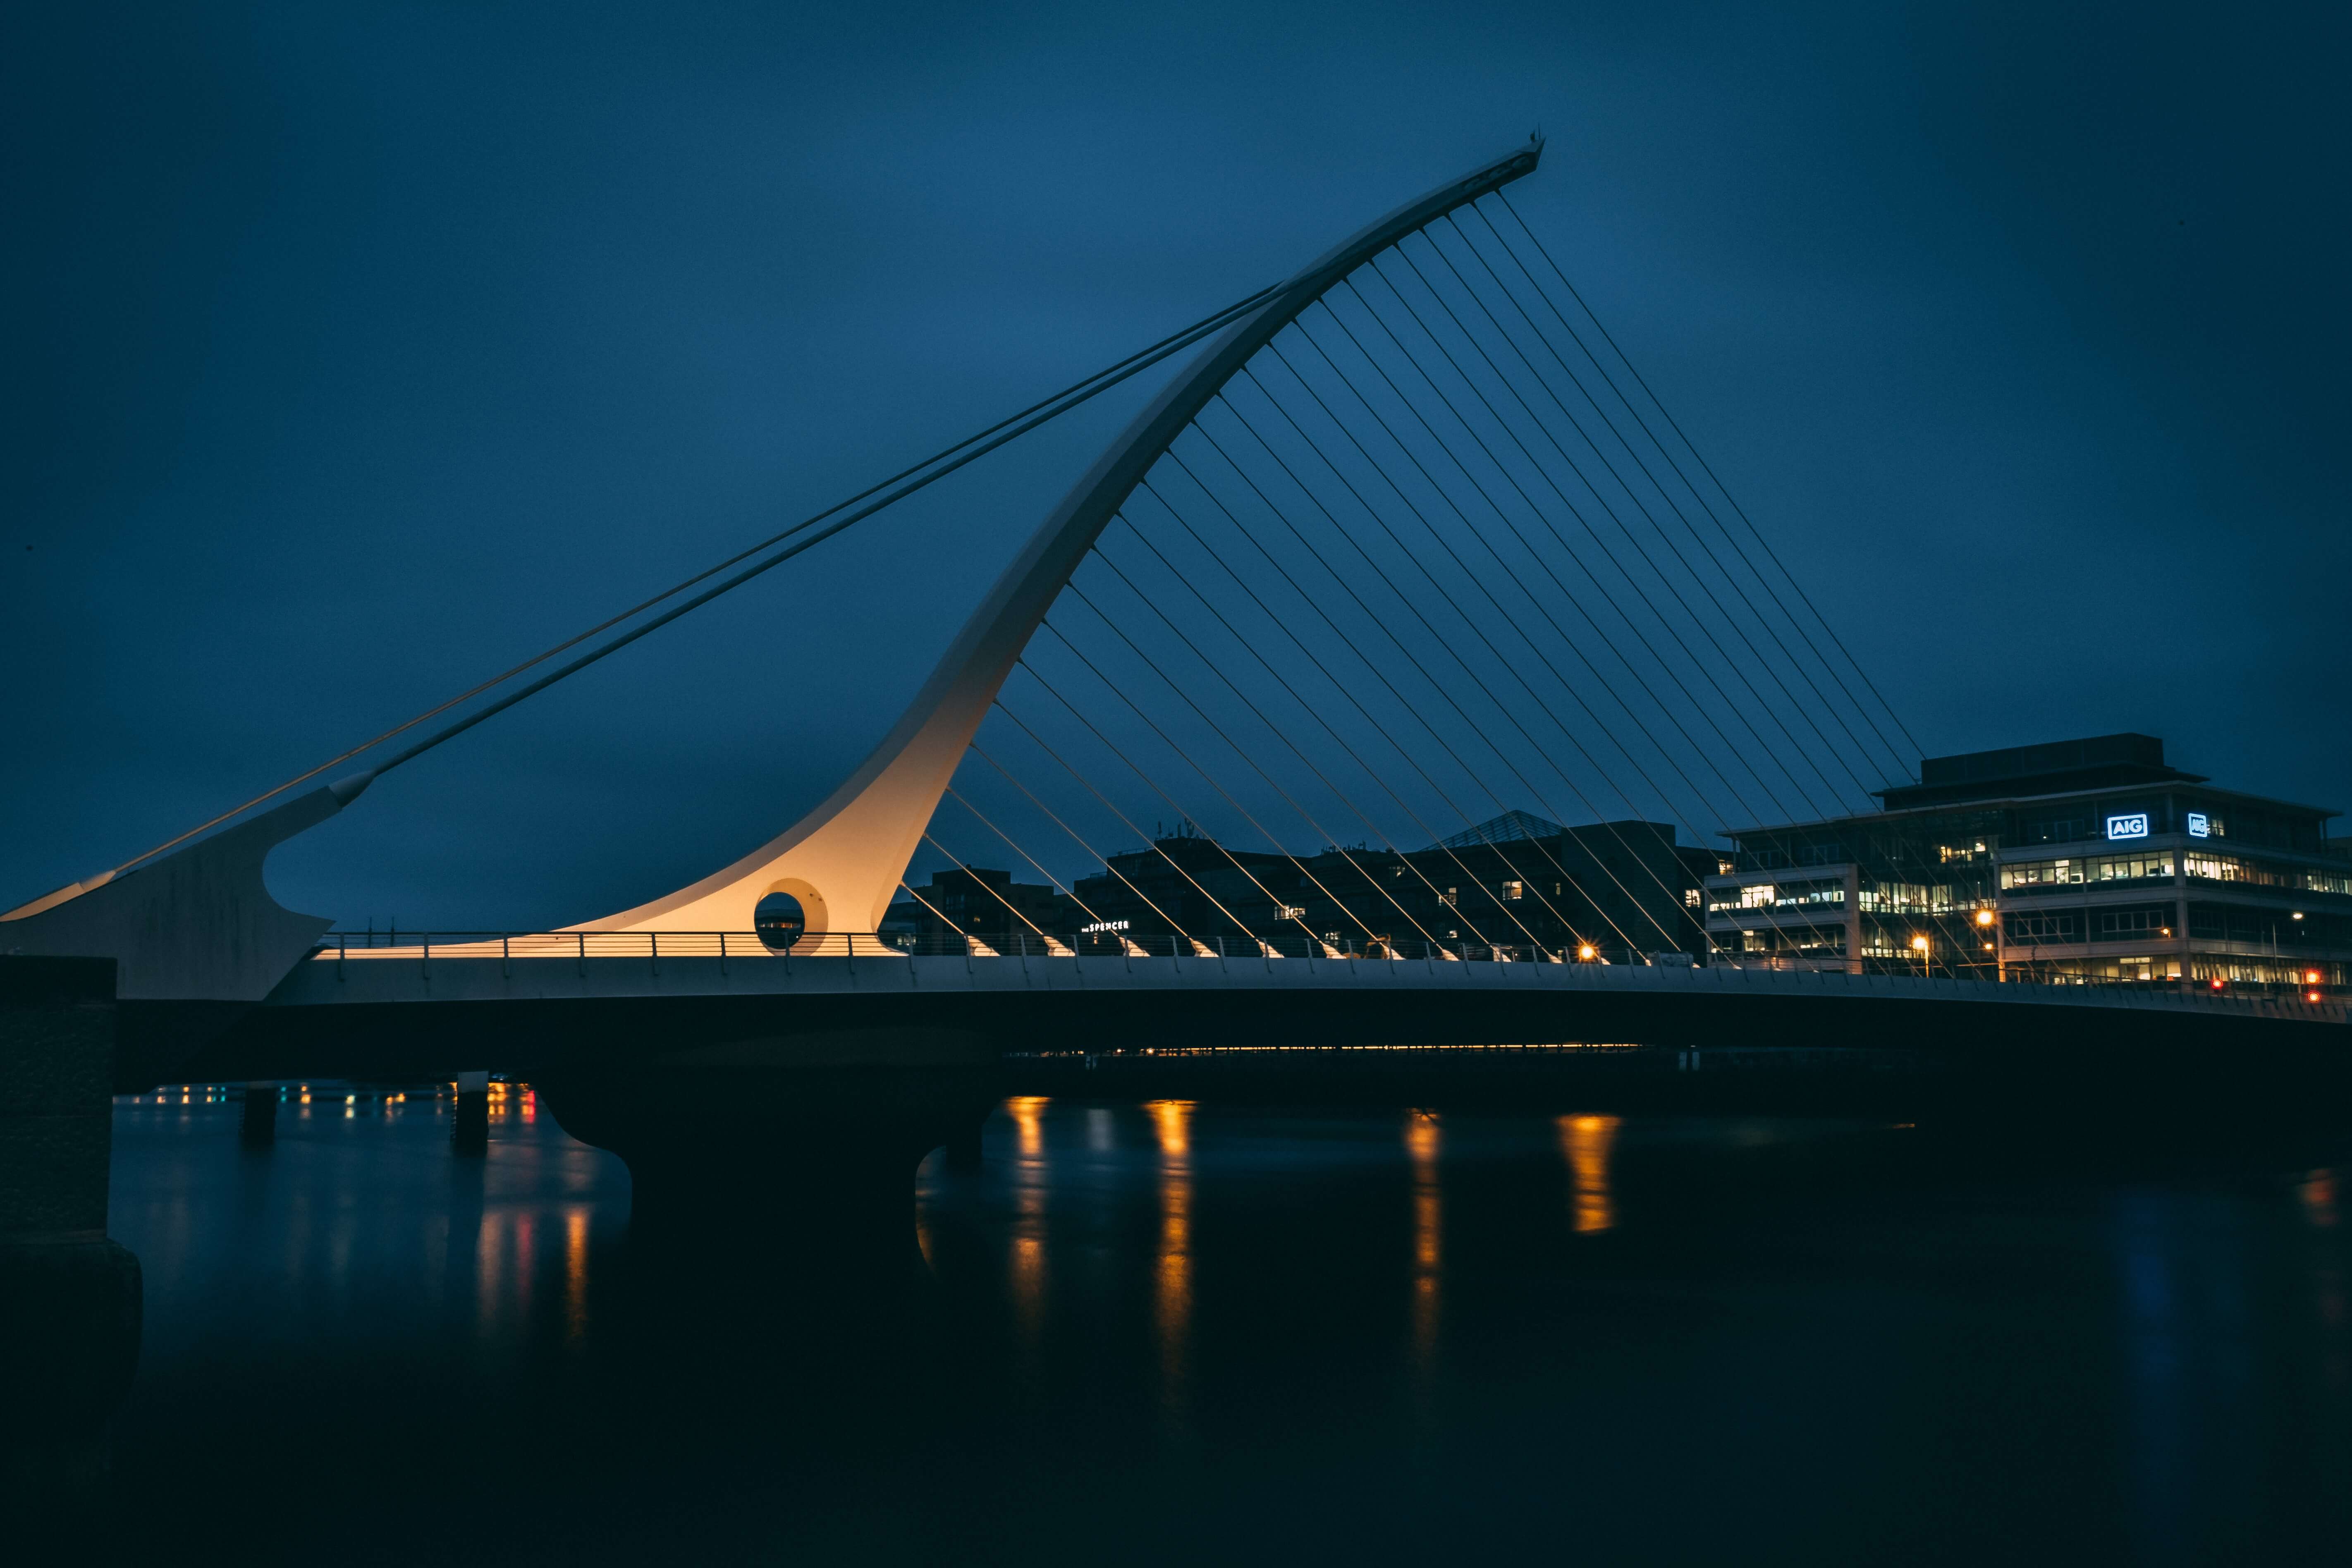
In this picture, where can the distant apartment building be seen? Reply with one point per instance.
(2077, 862)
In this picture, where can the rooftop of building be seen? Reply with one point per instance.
(2016, 775)
(2053, 767)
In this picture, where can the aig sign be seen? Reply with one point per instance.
(2132, 827)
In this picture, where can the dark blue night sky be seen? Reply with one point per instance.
(356, 350)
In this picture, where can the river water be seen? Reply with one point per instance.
(1163, 1333)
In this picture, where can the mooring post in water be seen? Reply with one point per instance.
(68, 1296)
(256, 1127)
(470, 1133)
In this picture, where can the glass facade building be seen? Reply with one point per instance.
(2079, 862)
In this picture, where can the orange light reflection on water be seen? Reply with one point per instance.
(1172, 1266)
(1029, 1182)
(1421, 1145)
(1028, 1113)
(1587, 1142)
(2319, 1199)
(575, 1277)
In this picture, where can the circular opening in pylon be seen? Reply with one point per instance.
(779, 920)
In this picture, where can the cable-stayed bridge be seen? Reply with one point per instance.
(1276, 717)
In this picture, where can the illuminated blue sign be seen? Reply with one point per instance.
(2197, 827)
(2132, 827)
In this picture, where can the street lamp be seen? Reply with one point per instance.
(1919, 946)
(1985, 919)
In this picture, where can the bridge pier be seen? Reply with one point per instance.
(815, 1137)
(469, 1130)
(257, 1125)
(69, 1297)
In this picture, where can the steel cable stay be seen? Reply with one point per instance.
(1320, 776)
(1667, 414)
(1632, 584)
(909, 889)
(1370, 935)
(1009, 843)
(1673, 717)
(1279, 847)
(1468, 668)
(1051, 941)
(1469, 621)
(1386, 630)
(1337, 685)
(1488, 643)
(1567, 685)
(1902, 768)
(1173, 863)
(1738, 710)
(1279, 408)
(1175, 805)
(1536, 556)
(1535, 329)
(1796, 703)
(1631, 493)
(1207, 436)
(1714, 558)
(1074, 837)
(1763, 544)
(1667, 579)
(1403, 860)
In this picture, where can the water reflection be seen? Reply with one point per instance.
(357, 1209)
(1586, 1141)
(1031, 1175)
(2069, 1371)
(1172, 1266)
(1420, 1142)
(575, 1276)
(2188, 1332)
(2318, 1193)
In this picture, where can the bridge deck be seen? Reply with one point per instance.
(424, 975)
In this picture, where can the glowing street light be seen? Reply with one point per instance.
(1588, 953)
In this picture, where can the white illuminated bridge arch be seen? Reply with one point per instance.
(844, 860)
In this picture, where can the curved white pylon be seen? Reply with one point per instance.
(844, 860)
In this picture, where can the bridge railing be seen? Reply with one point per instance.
(378, 946)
